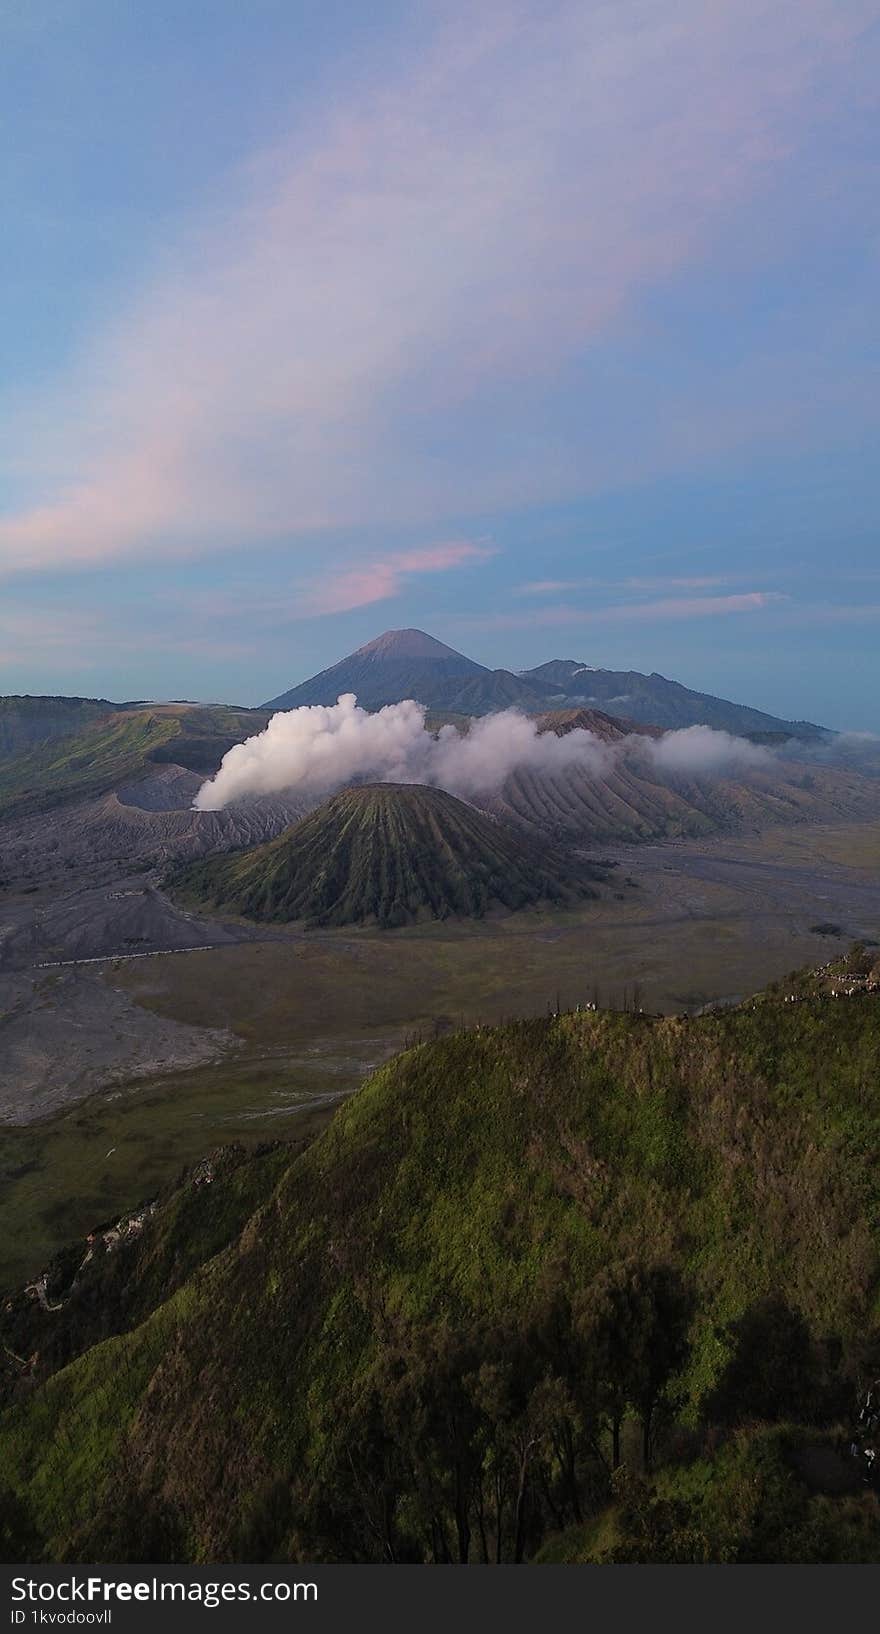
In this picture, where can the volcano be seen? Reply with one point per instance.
(388, 854)
(398, 664)
(410, 664)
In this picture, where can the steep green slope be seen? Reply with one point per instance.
(388, 853)
(127, 1267)
(26, 721)
(431, 1338)
(206, 734)
(117, 747)
(87, 763)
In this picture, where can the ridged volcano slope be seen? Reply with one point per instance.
(390, 854)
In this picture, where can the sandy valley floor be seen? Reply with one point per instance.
(115, 1068)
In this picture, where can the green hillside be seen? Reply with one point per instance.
(26, 721)
(388, 854)
(88, 763)
(98, 754)
(92, 1292)
(517, 1258)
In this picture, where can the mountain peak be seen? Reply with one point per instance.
(412, 664)
(406, 644)
(389, 853)
(398, 664)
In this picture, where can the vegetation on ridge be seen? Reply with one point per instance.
(101, 752)
(26, 721)
(516, 1256)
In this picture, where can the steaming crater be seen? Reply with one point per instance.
(318, 749)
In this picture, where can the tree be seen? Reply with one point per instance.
(19, 1539)
(773, 1369)
(634, 1320)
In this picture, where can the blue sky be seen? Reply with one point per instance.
(550, 328)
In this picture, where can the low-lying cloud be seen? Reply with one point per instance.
(318, 749)
(845, 751)
(700, 751)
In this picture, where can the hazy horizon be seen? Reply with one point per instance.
(551, 329)
(163, 697)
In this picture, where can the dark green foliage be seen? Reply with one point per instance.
(512, 1249)
(774, 1368)
(140, 1528)
(387, 854)
(744, 1506)
(635, 1321)
(20, 1541)
(115, 1288)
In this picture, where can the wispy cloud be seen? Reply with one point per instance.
(378, 308)
(41, 635)
(835, 613)
(550, 587)
(52, 639)
(750, 601)
(555, 587)
(351, 584)
(361, 585)
(665, 608)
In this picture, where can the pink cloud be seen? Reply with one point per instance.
(550, 587)
(380, 580)
(464, 229)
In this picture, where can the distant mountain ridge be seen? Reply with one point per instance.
(411, 664)
(657, 701)
(60, 750)
(26, 721)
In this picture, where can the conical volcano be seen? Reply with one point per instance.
(387, 854)
(398, 664)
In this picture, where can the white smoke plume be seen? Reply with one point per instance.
(700, 751)
(318, 749)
